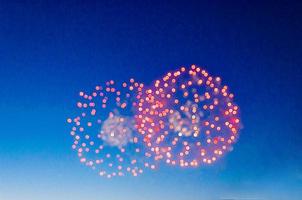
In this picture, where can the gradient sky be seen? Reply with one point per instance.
(49, 51)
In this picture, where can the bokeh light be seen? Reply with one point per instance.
(104, 134)
(188, 118)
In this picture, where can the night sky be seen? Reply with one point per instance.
(49, 51)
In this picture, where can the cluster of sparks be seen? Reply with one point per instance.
(187, 118)
(104, 132)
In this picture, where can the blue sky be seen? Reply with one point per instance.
(50, 50)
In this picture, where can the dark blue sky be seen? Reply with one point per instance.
(50, 50)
